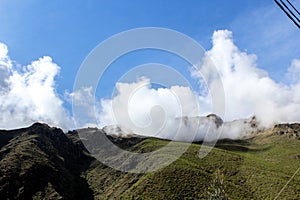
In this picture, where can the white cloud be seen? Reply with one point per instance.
(293, 72)
(3, 51)
(249, 91)
(83, 102)
(28, 95)
(5, 65)
(170, 113)
(147, 111)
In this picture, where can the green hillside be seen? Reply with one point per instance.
(44, 163)
(257, 168)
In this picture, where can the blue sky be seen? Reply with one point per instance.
(68, 30)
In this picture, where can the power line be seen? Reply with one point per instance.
(293, 7)
(295, 17)
(289, 12)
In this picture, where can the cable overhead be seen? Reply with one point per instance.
(295, 17)
(291, 11)
(293, 7)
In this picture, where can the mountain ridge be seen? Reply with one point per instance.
(43, 162)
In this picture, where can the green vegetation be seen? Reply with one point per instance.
(257, 168)
(217, 189)
(44, 163)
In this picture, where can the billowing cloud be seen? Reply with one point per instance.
(28, 93)
(139, 108)
(170, 113)
(86, 107)
(293, 73)
(249, 91)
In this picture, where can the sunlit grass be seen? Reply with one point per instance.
(256, 170)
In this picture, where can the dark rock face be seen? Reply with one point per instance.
(218, 120)
(42, 162)
(253, 122)
(289, 130)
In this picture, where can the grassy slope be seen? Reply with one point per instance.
(257, 169)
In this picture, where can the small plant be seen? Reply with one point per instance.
(216, 190)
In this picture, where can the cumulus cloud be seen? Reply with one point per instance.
(85, 107)
(28, 93)
(293, 72)
(248, 89)
(172, 112)
(139, 108)
(5, 65)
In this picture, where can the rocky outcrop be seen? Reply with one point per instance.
(288, 130)
(218, 120)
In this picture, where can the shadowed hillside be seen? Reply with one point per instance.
(42, 162)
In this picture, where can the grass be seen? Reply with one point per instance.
(257, 169)
(42, 164)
